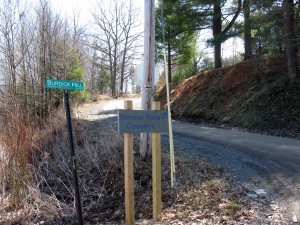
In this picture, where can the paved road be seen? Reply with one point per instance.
(258, 161)
(283, 153)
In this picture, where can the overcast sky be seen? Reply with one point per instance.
(84, 7)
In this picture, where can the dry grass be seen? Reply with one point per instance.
(48, 193)
(36, 171)
(204, 195)
(16, 155)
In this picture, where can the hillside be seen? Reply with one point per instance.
(253, 95)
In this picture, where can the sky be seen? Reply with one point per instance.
(84, 7)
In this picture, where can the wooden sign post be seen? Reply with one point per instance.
(142, 121)
(156, 170)
(129, 176)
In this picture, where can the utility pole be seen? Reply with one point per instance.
(149, 68)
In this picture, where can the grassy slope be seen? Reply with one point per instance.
(255, 95)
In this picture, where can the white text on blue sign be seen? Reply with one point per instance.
(142, 121)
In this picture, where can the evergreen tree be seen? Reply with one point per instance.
(76, 72)
(180, 36)
(267, 31)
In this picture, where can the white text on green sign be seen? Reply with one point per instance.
(142, 121)
(65, 84)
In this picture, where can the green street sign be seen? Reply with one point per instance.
(65, 84)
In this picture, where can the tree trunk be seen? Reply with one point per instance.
(290, 39)
(218, 34)
(247, 32)
(217, 29)
(112, 70)
(123, 67)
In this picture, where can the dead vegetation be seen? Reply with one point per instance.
(204, 192)
(36, 170)
(37, 182)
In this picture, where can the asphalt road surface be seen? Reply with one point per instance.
(257, 161)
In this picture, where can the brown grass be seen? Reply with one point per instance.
(36, 170)
(202, 191)
(16, 153)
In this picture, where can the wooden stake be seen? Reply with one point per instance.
(129, 177)
(156, 169)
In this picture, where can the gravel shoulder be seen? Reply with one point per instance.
(258, 161)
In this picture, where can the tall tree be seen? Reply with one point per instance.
(217, 16)
(247, 29)
(45, 19)
(219, 34)
(9, 34)
(129, 46)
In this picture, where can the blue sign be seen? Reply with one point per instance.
(142, 121)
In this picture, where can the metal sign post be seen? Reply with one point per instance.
(68, 85)
(73, 157)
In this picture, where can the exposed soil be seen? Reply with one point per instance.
(254, 95)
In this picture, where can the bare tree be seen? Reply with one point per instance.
(9, 32)
(16, 36)
(97, 77)
(129, 23)
(44, 52)
(58, 42)
(116, 39)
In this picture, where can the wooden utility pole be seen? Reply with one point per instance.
(149, 67)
